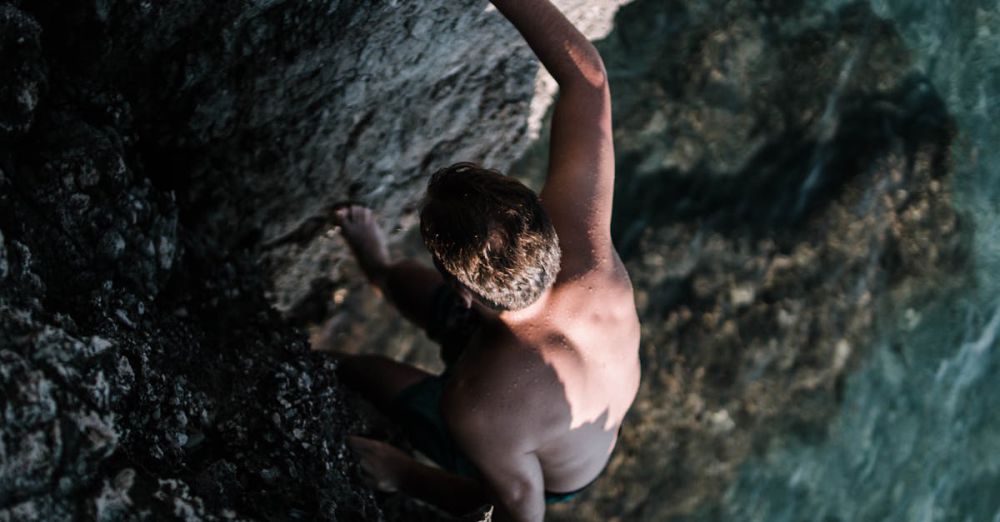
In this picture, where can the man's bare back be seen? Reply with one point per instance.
(550, 383)
(535, 400)
(566, 370)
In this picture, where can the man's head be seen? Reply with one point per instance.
(490, 233)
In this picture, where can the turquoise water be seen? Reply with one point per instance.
(918, 438)
(918, 435)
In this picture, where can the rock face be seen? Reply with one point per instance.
(261, 115)
(143, 372)
(151, 157)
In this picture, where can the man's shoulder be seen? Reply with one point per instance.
(604, 289)
(604, 274)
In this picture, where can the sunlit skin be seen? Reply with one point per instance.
(538, 395)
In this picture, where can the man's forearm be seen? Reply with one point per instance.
(453, 493)
(565, 52)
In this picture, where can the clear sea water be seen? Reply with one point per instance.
(918, 435)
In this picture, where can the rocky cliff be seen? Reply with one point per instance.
(161, 167)
(165, 171)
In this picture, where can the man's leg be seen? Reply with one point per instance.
(408, 285)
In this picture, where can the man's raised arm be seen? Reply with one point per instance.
(579, 188)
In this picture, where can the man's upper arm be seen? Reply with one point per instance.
(580, 185)
(498, 449)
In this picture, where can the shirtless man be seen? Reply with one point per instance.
(532, 306)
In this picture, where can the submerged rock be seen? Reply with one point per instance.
(783, 175)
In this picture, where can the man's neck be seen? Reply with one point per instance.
(531, 313)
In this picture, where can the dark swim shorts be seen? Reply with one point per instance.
(418, 408)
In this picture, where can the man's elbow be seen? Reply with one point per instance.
(592, 74)
(521, 502)
(598, 77)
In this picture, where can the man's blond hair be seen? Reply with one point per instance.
(490, 233)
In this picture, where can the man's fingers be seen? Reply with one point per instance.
(340, 211)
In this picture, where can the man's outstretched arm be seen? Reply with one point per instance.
(579, 188)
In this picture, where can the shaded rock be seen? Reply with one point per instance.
(4, 267)
(127, 341)
(24, 68)
(72, 176)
